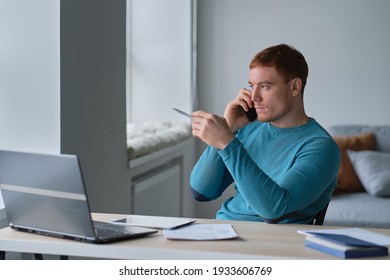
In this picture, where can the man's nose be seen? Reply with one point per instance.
(256, 95)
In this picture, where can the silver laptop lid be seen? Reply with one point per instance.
(45, 192)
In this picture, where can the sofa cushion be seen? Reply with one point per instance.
(358, 210)
(382, 133)
(348, 180)
(372, 168)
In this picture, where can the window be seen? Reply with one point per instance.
(161, 58)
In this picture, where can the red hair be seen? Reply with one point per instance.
(287, 61)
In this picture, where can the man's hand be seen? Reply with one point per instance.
(235, 110)
(211, 129)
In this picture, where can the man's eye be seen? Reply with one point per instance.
(265, 86)
(250, 86)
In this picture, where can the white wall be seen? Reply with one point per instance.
(29, 76)
(346, 44)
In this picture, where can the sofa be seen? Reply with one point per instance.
(362, 194)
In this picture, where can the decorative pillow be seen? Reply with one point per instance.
(347, 180)
(373, 170)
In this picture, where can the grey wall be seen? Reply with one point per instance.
(346, 44)
(93, 98)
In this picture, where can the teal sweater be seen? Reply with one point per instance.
(284, 175)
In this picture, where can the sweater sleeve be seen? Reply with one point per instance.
(209, 177)
(311, 172)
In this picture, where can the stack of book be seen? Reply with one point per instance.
(344, 245)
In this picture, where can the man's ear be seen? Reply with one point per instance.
(296, 86)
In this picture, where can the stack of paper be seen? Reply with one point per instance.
(202, 232)
(347, 243)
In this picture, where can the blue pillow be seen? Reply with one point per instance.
(373, 170)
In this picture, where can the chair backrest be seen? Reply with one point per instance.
(320, 217)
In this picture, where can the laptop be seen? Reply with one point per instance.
(45, 194)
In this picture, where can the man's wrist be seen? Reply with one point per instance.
(226, 142)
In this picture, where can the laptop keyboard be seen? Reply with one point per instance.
(105, 233)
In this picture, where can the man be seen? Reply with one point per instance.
(284, 164)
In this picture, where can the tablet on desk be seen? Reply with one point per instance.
(155, 222)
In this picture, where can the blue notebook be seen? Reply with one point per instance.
(344, 246)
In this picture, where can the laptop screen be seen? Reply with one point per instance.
(42, 191)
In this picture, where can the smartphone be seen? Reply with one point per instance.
(251, 114)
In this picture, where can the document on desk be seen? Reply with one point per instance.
(202, 232)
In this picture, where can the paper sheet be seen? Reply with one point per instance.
(202, 232)
(369, 236)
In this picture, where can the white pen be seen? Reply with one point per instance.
(183, 113)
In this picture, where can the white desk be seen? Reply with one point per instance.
(257, 241)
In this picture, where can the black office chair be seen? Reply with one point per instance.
(320, 217)
(40, 257)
